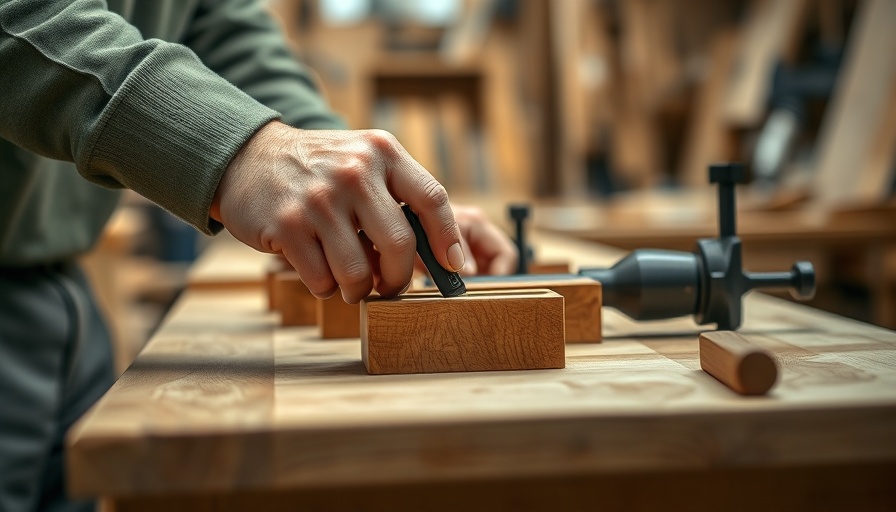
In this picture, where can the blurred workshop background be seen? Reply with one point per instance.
(603, 115)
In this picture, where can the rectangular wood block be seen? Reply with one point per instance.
(274, 266)
(479, 331)
(337, 319)
(548, 267)
(582, 301)
(295, 302)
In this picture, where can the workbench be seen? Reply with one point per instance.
(224, 410)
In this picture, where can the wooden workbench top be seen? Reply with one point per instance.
(223, 399)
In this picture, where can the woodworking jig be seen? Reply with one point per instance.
(652, 284)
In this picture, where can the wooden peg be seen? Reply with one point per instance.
(582, 301)
(742, 366)
(337, 319)
(295, 302)
(479, 331)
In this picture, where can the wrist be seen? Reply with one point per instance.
(245, 159)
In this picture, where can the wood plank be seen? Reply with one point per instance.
(770, 35)
(478, 331)
(834, 488)
(228, 264)
(708, 139)
(858, 108)
(222, 389)
(737, 363)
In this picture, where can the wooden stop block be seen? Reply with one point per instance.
(338, 319)
(274, 267)
(479, 331)
(737, 363)
(548, 267)
(295, 302)
(582, 300)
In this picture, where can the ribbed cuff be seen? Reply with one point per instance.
(170, 131)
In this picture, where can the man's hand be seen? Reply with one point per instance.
(486, 248)
(306, 194)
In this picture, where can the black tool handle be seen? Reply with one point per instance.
(449, 283)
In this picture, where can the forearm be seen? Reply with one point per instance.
(80, 84)
(238, 40)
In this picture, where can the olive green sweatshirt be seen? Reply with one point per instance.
(155, 95)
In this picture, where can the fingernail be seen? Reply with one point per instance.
(456, 257)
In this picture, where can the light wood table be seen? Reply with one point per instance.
(224, 410)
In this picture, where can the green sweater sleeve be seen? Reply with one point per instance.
(79, 83)
(238, 40)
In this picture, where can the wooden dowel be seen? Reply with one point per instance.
(742, 366)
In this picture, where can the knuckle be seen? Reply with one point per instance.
(320, 286)
(381, 139)
(355, 274)
(319, 197)
(434, 194)
(400, 239)
(355, 172)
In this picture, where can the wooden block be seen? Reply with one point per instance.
(548, 267)
(338, 319)
(274, 266)
(582, 302)
(479, 331)
(295, 302)
(737, 363)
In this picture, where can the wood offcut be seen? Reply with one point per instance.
(338, 319)
(296, 303)
(582, 302)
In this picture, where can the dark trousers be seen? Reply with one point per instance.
(55, 361)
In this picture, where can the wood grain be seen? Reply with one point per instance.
(742, 366)
(478, 331)
(242, 266)
(295, 302)
(582, 303)
(338, 319)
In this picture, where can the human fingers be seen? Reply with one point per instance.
(347, 260)
(492, 250)
(409, 182)
(383, 224)
(307, 257)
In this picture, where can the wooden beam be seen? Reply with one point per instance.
(857, 125)
(479, 331)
